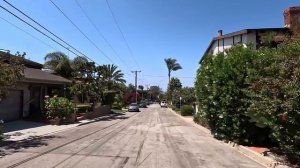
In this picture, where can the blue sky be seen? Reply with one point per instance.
(154, 29)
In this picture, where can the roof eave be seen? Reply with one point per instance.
(28, 80)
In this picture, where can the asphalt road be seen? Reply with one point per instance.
(152, 138)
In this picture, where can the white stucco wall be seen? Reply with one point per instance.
(251, 37)
(228, 42)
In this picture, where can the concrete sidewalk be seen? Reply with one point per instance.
(247, 151)
(23, 130)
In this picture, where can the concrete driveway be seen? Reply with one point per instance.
(152, 138)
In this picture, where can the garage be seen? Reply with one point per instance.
(11, 106)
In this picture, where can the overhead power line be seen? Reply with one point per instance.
(26, 32)
(160, 76)
(101, 34)
(58, 8)
(37, 29)
(67, 48)
(123, 36)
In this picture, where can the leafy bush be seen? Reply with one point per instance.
(58, 107)
(274, 93)
(220, 84)
(186, 110)
(200, 119)
(252, 97)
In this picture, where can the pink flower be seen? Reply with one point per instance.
(283, 118)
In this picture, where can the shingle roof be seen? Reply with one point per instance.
(39, 76)
(26, 62)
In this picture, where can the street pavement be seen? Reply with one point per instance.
(152, 138)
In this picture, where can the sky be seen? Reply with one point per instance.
(153, 29)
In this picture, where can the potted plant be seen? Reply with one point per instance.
(58, 108)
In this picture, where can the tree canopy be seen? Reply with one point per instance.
(11, 71)
(172, 65)
(59, 63)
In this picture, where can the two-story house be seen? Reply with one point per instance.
(254, 36)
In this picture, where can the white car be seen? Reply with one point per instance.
(163, 104)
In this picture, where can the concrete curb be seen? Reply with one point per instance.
(263, 160)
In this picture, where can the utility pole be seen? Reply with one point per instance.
(135, 72)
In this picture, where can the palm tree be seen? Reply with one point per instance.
(59, 63)
(172, 65)
(141, 87)
(110, 75)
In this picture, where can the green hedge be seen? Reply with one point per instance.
(186, 110)
(252, 97)
(83, 108)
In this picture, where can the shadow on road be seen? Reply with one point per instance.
(10, 147)
(115, 116)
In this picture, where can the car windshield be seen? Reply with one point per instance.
(133, 104)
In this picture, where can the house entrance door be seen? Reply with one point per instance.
(35, 97)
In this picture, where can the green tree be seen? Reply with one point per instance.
(11, 71)
(130, 88)
(59, 63)
(188, 95)
(174, 86)
(141, 87)
(141, 90)
(153, 93)
(79, 66)
(172, 65)
(110, 75)
(85, 83)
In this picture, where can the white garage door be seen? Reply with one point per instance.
(10, 107)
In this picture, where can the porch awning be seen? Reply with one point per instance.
(39, 76)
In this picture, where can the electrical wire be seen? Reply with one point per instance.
(120, 30)
(37, 29)
(101, 34)
(160, 76)
(44, 29)
(61, 11)
(26, 32)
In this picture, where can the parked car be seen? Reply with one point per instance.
(133, 107)
(163, 104)
(143, 105)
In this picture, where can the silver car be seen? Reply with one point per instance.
(133, 107)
